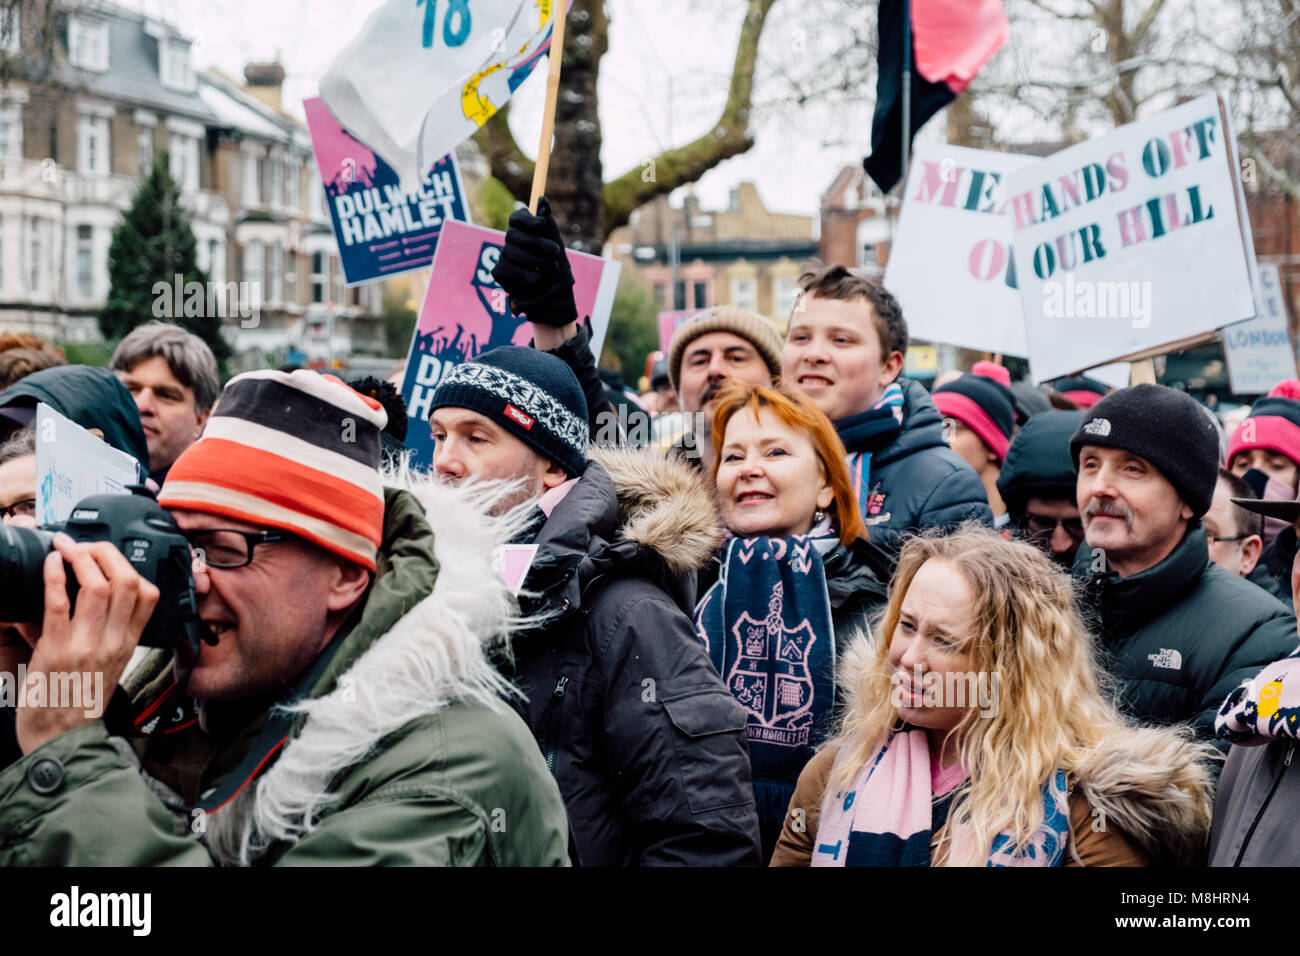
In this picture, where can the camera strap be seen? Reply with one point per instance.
(171, 712)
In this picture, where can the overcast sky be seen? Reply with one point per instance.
(662, 83)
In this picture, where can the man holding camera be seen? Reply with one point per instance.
(294, 735)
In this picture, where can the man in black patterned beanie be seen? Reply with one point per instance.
(1179, 632)
(645, 741)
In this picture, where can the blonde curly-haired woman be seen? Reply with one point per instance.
(977, 733)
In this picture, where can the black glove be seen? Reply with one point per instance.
(534, 268)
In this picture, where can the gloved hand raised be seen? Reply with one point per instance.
(534, 268)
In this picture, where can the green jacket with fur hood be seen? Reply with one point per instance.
(400, 752)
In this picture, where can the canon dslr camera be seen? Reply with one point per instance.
(142, 530)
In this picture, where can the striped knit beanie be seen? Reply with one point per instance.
(984, 405)
(531, 394)
(1273, 424)
(298, 451)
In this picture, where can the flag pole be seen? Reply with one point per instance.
(907, 87)
(559, 9)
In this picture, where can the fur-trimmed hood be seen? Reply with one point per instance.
(1153, 784)
(423, 641)
(664, 505)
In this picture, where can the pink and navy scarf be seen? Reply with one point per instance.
(888, 816)
(867, 433)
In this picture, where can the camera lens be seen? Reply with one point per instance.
(22, 585)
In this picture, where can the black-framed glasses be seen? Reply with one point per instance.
(23, 507)
(1211, 538)
(226, 548)
(1045, 526)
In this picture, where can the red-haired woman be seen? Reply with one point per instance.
(797, 578)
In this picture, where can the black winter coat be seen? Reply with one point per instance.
(925, 483)
(1273, 572)
(1182, 635)
(647, 745)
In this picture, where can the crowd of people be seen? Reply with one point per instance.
(826, 617)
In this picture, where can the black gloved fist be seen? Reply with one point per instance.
(534, 268)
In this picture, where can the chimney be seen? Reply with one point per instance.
(263, 80)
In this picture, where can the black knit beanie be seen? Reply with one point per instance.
(531, 394)
(1167, 428)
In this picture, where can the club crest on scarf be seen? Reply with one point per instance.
(767, 627)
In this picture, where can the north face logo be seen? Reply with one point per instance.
(1098, 426)
(1167, 658)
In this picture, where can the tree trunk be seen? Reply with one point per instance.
(575, 181)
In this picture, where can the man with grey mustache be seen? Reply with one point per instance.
(1178, 632)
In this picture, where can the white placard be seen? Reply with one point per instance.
(72, 464)
(1131, 241)
(950, 265)
(1259, 351)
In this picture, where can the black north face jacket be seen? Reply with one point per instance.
(646, 743)
(1182, 635)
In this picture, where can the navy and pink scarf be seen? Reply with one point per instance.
(888, 816)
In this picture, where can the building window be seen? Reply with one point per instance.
(661, 295)
(92, 143)
(9, 30)
(315, 193)
(36, 250)
(318, 277)
(144, 144)
(11, 131)
(291, 279)
(784, 289)
(254, 262)
(292, 172)
(174, 65)
(88, 44)
(252, 189)
(216, 261)
(701, 295)
(277, 272)
(679, 295)
(263, 182)
(85, 262)
(185, 161)
(277, 182)
(744, 294)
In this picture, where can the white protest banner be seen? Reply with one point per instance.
(1259, 351)
(1116, 374)
(422, 75)
(72, 464)
(950, 264)
(1131, 242)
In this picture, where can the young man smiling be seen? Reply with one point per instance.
(1179, 632)
(844, 349)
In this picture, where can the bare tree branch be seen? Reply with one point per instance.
(730, 136)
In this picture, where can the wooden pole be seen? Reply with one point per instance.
(556, 55)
